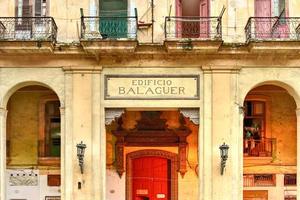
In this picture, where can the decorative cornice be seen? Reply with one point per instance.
(221, 69)
(82, 70)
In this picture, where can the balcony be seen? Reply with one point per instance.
(27, 32)
(202, 34)
(264, 147)
(107, 34)
(201, 28)
(271, 30)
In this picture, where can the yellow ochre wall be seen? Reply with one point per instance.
(23, 127)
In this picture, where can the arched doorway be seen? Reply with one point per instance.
(269, 143)
(33, 138)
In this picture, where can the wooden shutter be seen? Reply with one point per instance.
(38, 8)
(262, 8)
(26, 9)
(178, 14)
(205, 23)
(204, 10)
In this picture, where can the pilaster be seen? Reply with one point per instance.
(298, 151)
(3, 114)
(221, 90)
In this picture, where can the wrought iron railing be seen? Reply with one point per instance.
(28, 28)
(273, 29)
(205, 28)
(264, 147)
(259, 180)
(108, 27)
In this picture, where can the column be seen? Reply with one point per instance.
(102, 143)
(205, 139)
(226, 128)
(83, 185)
(298, 152)
(3, 114)
(96, 132)
(67, 140)
(62, 150)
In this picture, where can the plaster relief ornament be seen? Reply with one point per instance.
(21, 178)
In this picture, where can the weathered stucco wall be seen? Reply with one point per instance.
(23, 126)
(22, 121)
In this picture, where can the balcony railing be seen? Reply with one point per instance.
(107, 27)
(28, 29)
(273, 29)
(203, 28)
(264, 147)
(259, 180)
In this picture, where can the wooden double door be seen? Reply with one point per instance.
(151, 178)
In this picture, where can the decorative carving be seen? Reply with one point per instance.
(182, 158)
(23, 178)
(112, 113)
(146, 134)
(150, 120)
(120, 158)
(191, 113)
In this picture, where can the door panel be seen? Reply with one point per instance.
(178, 22)
(150, 179)
(263, 26)
(204, 24)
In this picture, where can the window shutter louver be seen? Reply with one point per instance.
(38, 8)
(26, 9)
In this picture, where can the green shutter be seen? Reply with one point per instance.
(113, 18)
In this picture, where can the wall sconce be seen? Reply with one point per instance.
(80, 154)
(224, 155)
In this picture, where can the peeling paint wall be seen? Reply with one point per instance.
(23, 126)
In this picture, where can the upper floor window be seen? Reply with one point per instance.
(269, 8)
(279, 7)
(194, 22)
(254, 120)
(49, 135)
(31, 8)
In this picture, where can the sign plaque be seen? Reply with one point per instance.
(152, 87)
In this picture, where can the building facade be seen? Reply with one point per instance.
(153, 89)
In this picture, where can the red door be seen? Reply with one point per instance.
(150, 178)
(263, 26)
(204, 23)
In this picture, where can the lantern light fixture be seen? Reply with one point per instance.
(80, 154)
(224, 155)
